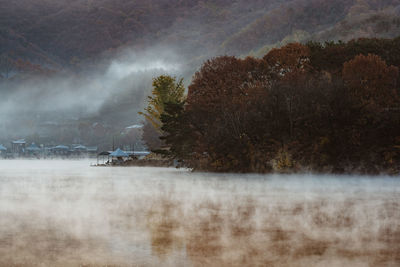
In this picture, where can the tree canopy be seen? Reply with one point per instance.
(166, 89)
(290, 111)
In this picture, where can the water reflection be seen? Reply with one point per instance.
(163, 224)
(64, 213)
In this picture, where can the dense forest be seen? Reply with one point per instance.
(65, 34)
(322, 107)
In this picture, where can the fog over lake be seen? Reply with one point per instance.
(66, 213)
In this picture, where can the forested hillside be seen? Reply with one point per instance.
(70, 31)
(318, 20)
(331, 107)
(64, 33)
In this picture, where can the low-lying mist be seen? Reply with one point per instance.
(120, 85)
(65, 213)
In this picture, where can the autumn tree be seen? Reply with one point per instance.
(166, 89)
(289, 60)
(177, 131)
(330, 56)
(223, 101)
(371, 83)
(289, 67)
(291, 111)
(370, 89)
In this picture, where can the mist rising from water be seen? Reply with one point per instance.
(65, 213)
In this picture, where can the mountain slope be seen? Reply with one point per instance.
(60, 32)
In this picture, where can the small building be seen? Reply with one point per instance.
(33, 149)
(18, 146)
(3, 151)
(60, 150)
(79, 149)
(92, 150)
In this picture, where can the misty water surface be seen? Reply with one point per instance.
(66, 213)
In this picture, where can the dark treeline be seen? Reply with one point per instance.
(330, 107)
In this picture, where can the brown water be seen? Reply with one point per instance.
(65, 213)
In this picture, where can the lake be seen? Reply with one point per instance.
(66, 213)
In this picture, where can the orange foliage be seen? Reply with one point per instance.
(370, 81)
(292, 58)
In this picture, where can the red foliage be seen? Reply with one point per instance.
(371, 82)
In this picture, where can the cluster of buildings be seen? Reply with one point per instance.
(20, 148)
(96, 133)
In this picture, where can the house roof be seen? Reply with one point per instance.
(119, 153)
(92, 148)
(61, 147)
(3, 148)
(19, 142)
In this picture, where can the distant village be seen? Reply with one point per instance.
(117, 152)
(20, 149)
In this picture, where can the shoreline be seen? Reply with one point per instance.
(159, 163)
(166, 164)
